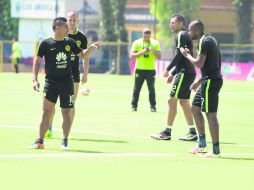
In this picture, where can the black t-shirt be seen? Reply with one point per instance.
(57, 56)
(81, 40)
(183, 40)
(208, 46)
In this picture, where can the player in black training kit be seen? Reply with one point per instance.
(207, 97)
(183, 75)
(81, 41)
(57, 52)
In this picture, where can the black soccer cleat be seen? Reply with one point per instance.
(164, 135)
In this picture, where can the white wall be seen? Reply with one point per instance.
(31, 30)
(36, 24)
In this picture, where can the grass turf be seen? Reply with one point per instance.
(106, 129)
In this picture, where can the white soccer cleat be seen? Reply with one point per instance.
(210, 155)
(198, 150)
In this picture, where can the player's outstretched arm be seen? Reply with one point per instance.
(87, 52)
(36, 67)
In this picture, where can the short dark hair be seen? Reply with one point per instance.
(179, 18)
(198, 24)
(59, 21)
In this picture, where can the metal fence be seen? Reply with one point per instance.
(113, 58)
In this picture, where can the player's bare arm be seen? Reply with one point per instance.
(170, 72)
(36, 67)
(198, 62)
(86, 70)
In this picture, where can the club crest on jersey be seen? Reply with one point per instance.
(78, 43)
(67, 48)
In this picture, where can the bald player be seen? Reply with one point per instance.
(207, 97)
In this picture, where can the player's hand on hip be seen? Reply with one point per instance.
(84, 79)
(36, 86)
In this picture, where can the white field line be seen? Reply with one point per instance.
(87, 155)
(76, 131)
(122, 92)
(105, 133)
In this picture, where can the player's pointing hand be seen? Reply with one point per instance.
(96, 45)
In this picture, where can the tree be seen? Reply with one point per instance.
(113, 30)
(243, 20)
(107, 21)
(112, 20)
(8, 25)
(166, 8)
(119, 9)
(244, 26)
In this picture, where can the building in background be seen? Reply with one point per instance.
(35, 19)
(218, 15)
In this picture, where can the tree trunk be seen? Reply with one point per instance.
(244, 21)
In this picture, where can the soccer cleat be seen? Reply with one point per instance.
(164, 135)
(134, 109)
(210, 155)
(189, 137)
(37, 145)
(198, 150)
(48, 134)
(153, 109)
(64, 144)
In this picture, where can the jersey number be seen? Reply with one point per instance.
(174, 88)
(202, 102)
(71, 99)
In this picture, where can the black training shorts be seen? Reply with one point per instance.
(63, 88)
(207, 96)
(181, 85)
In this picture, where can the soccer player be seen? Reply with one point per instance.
(16, 54)
(81, 40)
(207, 97)
(57, 52)
(183, 75)
(145, 50)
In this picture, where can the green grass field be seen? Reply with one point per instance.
(112, 148)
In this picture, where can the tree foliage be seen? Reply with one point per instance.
(243, 20)
(8, 25)
(166, 8)
(112, 20)
(244, 26)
